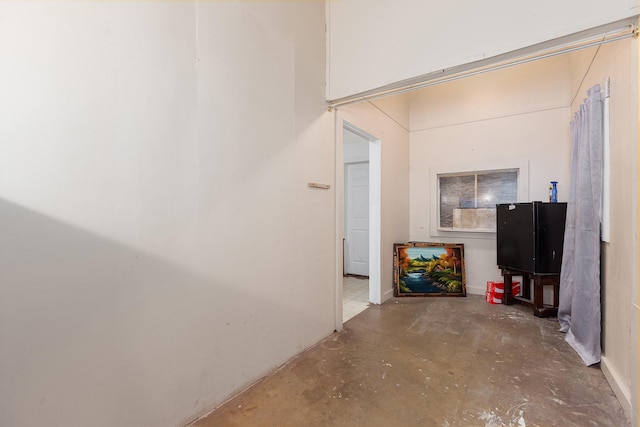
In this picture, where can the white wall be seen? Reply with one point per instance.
(524, 113)
(394, 144)
(160, 249)
(372, 44)
(620, 270)
(355, 148)
(516, 117)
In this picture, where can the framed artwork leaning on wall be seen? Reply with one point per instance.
(428, 269)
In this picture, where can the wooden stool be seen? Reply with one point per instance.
(539, 282)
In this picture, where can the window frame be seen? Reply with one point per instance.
(522, 169)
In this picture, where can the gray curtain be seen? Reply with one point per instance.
(579, 306)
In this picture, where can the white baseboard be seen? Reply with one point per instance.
(470, 291)
(473, 290)
(620, 389)
(387, 295)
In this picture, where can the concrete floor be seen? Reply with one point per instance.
(432, 362)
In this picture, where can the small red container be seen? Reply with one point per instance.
(495, 291)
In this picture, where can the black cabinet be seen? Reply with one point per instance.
(530, 236)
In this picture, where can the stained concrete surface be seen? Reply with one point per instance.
(432, 362)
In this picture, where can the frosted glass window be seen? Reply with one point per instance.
(468, 200)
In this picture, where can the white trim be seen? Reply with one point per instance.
(608, 33)
(354, 129)
(476, 290)
(606, 169)
(339, 221)
(375, 204)
(523, 194)
(375, 214)
(620, 389)
(387, 294)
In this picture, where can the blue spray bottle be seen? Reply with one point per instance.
(553, 192)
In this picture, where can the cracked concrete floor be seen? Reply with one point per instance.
(432, 362)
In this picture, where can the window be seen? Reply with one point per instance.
(467, 200)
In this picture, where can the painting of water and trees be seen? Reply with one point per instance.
(429, 269)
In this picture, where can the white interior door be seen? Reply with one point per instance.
(357, 219)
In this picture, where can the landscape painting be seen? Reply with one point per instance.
(428, 269)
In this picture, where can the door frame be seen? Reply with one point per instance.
(375, 187)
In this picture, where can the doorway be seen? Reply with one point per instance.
(359, 204)
(355, 294)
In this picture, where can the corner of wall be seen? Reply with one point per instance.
(617, 383)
